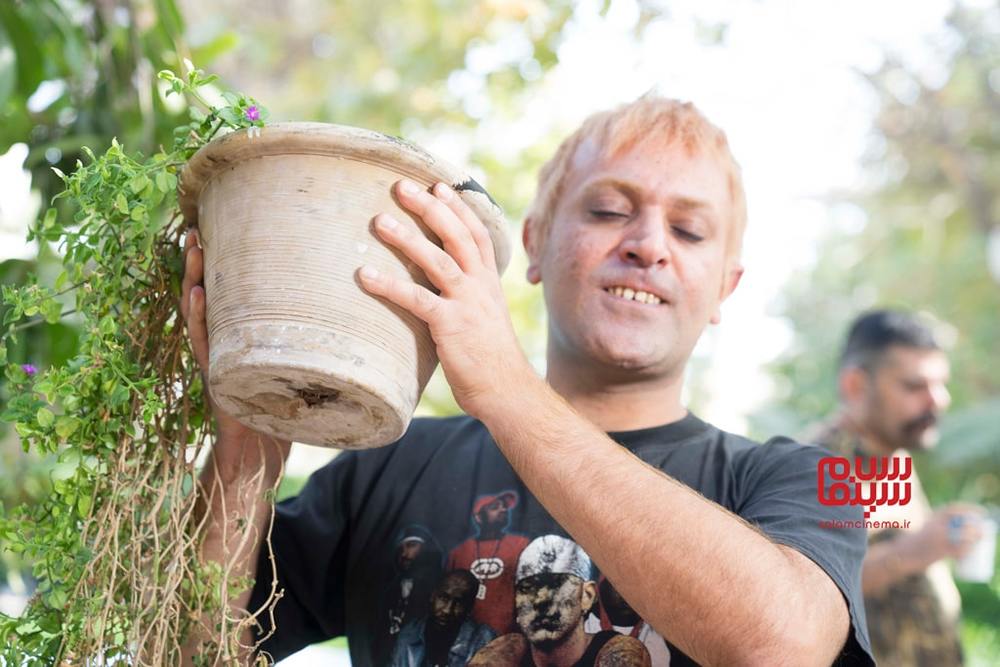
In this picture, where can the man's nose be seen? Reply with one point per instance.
(542, 608)
(940, 397)
(646, 242)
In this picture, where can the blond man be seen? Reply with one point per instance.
(713, 540)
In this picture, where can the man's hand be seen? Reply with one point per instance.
(243, 465)
(950, 533)
(468, 318)
(193, 312)
(230, 452)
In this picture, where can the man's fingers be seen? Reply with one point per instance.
(193, 272)
(191, 240)
(438, 265)
(454, 235)
(971, 532)
(476, 228)
(406, 294)
(964, 509)
(197, 329)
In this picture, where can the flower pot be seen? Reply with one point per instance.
(297, 349)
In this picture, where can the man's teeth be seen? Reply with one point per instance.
(634, 295)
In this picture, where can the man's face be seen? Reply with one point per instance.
(452, 601)
(549, 607)
(615, 605)
(653, 219)
(906, 396)
(494, 514)
(407, 553)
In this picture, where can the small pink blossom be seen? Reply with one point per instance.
(252, 113)
(29, 369)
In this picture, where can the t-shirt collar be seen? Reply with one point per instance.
(686, 427)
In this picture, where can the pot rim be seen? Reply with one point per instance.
(340, 141)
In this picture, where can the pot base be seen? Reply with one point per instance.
(319, 388)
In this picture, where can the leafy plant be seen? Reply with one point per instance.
(114, 544)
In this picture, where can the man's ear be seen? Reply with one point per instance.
(529, 238)
(588, 594)
(734, 271)
(853, 384)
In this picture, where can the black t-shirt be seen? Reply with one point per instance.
(360, 550)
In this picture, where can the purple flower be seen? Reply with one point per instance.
(29, 369)
(252, 113)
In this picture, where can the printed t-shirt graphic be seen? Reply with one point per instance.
(415, 570)
(446, 636)
(554, 592)
(612, 612)
(491, 556)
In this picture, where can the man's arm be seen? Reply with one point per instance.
(714, 586)
(241, 472)
(909, 553)
(233, 487)
(706, 580)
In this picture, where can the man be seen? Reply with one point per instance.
(554, 593)
(415, 569)
(613, 613)
(892, 382)
(491, 556)
(447, 637)
(635, 237)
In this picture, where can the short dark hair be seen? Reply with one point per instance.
(874, 332)
(464, 576)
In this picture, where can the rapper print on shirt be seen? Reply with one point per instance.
(491, 555)
(414, 569)
(541, 596)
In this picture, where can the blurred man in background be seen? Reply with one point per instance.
(892, 384)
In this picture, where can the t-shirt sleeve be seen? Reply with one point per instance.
(778, 494)
(310, 553)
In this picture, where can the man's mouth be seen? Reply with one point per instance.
(548, 624)
(630, 294)
(922, 423)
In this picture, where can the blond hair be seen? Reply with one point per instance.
(649, 119)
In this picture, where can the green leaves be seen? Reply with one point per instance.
(163, 181)
(27, 627)
(45, 417)
(113, 416)
(66, 426)
(107, 325)
(51, 310)
(121, 203)
(138, 183)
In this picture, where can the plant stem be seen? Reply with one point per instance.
(40, 320)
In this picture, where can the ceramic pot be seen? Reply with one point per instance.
(297, 349)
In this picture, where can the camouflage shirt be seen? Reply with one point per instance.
(914, 622)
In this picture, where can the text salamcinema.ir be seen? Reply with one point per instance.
(883, 481)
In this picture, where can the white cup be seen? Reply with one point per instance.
(977, 565)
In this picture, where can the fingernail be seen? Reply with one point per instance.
(386, 221)
(369, 273)
(197, 239)
(409, 187)
(443, 192)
